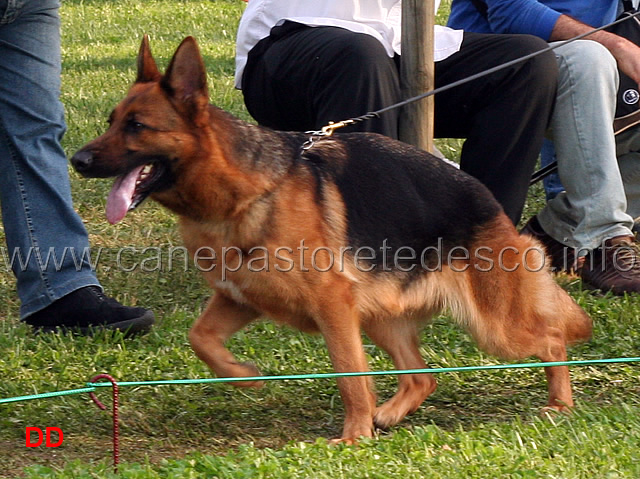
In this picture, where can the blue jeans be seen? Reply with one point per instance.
(45, 237)
(593, 206)
(552, 184)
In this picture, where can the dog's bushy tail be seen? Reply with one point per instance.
(572, 319)
(515, 309)
(555, 305)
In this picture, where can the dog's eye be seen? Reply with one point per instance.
(135, 126)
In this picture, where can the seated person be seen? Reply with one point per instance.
(585, 227)
(301, 65)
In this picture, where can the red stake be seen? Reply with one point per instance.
(116, 431)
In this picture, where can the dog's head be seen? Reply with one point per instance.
(152, 132)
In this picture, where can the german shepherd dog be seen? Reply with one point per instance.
(357, 232)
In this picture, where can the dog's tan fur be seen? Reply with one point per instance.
(224, 200)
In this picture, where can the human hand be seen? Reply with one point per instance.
(627, 54)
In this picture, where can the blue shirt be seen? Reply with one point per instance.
(529, 16)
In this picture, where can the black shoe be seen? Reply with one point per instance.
(88, 310)
(563, 257)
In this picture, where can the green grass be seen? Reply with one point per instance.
(475, 425)
(558, 449)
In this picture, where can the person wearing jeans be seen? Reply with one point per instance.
(45, 237)
(586, 227)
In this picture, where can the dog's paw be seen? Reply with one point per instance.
(550, 411)
(350, 435)
(406, 401)
(343, 440)
(386, 417)
(348, 441)
(245, 370)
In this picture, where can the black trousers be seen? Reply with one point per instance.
(300, 78)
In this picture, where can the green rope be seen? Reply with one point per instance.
(48, 395)
(92, 386)
(372, 373)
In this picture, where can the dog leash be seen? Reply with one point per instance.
(543, 172)
(327, 130)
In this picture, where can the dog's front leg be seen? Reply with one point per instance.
(340, 327)
(220, 320)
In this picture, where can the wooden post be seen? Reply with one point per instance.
(417, 72)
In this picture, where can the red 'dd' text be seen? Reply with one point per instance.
(35, 437)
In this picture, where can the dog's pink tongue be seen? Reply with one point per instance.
(121, 196)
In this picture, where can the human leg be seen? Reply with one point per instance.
(503, 116)
(593, 206)
(586, 227)
(45, 236)
(36, 198)
(304, 77)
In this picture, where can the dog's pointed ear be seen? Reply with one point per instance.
(147, 68)
(186, 76)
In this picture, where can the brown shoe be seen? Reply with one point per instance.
(614, 267)
(563, 257)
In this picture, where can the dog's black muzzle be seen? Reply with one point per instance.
(82, 161)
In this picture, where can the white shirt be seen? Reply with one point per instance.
(378, 18)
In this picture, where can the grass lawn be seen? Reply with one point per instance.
(476, 425)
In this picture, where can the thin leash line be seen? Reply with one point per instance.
(499, 67)
(329, 129)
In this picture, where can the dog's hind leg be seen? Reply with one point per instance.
(523, 332)
(562, 323)
(531, 315)
(399, 337)
(567, 324)
(549, 345)
(558, 380)
(218, 322)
